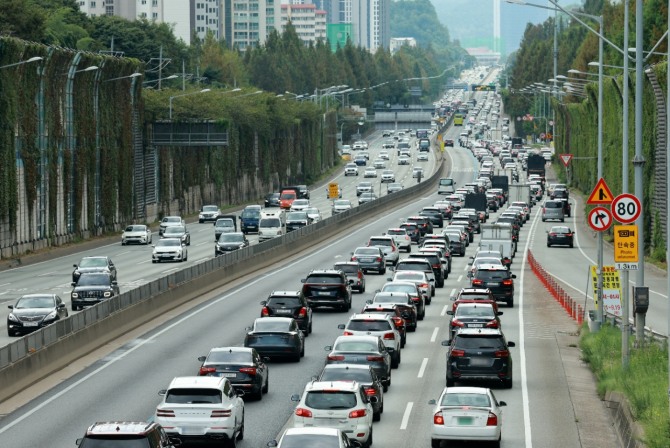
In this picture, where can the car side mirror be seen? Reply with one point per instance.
(74, 265)
(502, 403)
(373, 399)
(272, 443)
(446, 343)
(263, 303)
(389, 279)
(162, 392)
(60, 305)
(470, 275)
(328, 348)
(295, 397)
(432, 402)
(247, 329)
(202, 358)
(499, 313)
(11, 307)
(302, 280)
(73, 284)
(513, 275)
(511, 344)
(341, 326)
(450, 313)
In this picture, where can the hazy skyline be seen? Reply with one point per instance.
(473, 27)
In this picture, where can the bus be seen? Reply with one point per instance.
(458, 120)
(421, 133)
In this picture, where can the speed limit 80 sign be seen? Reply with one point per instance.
(626, 208)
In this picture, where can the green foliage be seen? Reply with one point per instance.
(644, 383)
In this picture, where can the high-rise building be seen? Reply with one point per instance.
(309, 22)
(369, 20)
(248, 23)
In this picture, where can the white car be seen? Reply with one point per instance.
(467, 413)
(351, 169)
(169, 249)
(209, 213)
(201, 407)
(422, 157)
(300, 205)
(136, 234)
(370, 172)
(417, 172)
(170, 221)
(403, 159)
(402, 239)
(387, 244)
(314, 214)
(341, 205)
(384, 155)
(318, 435)
(388, 176)
(270, 226)
(335, 404)
(379, 164)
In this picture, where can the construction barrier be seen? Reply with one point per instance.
(558, 293)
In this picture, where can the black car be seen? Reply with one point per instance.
(424, 223)
(276, 337)
(289, 304)
(412, 230)
(496, 278)
(354, 273)
(479, 354)
(244, 367)
(435, 261)
(92, 289)
(271, 200)
(401, 300)
(364, 375)
(560, 235)
(327, 287)
(34, 311)
(94, 264)
(434, 214)
(367, 350)
(229, 242)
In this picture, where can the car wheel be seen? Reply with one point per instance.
(510, 303)
(240, 435)
(302, 351)
(395, 362)
(10, 333)
(543, 220)
(571, 245)
(450, 382)
(75, 308)
(122, 243)
(266, 388)
(259, 395)
(368, 443)
(435, 443)
(496, 444)
(507, 383)
(153, 261)
(562, 219)
(383, 271)
(548, 244)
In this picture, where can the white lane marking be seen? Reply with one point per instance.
(444, 310)
(122, 253)
(41, 275)
(433, 337)
(5, 284)
(422, 369)
(142, 262)
(466, 267)
(453, 292)
(203, 243)
(460, 277)
(405, 416)
(522, 341)
(112, 360)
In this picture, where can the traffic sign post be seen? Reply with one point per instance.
(333, 190)
(600, 219)
(626, 252)
(601, 194)
(626, 208)
(566, 158)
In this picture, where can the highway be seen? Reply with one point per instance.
(121, 383)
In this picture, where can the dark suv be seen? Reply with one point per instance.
(479, 354)
(327, 287)
(289, 304)
(353, 272)
(424, 223)
(126, 435)
(92, 289)
(435, 263)
(93, 264)
(496, 278)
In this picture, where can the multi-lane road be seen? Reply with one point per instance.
(122, 384)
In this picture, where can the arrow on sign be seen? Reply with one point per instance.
(600, 219)
(565, 158)
(601, 194)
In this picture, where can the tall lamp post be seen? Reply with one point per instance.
(27, 61)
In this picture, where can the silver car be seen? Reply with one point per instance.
(553, 210)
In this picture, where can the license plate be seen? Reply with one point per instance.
(479, 362)
(465, 421)
(493, 284)
(367, 260)
(323, 293)
(30, 324)
(227, 375)
(284, 311)
(189, 430)
(475, 325)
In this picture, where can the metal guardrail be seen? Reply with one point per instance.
(41, 339)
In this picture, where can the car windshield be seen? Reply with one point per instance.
(193, 396)
(560, 230)
(251, 214)
(324, 278)
(478, 341)
(231, 238)
(136, 229)
(168, 242)
(409, 289)
(270, 222)
(380, 242)
(397, 232)
(271, 325)
(210, 208)
(296, 215)
(410, 276)
(330, 399)
(283, 301)
(491, 275)
(390, 298)
(369, 325)
(93, 263)
(310, 440)
(342, 203)
(346, 374)
(93, 280)
(35, 302)
(287, 196)
(347, 268)
(225, 223)
(229, 357)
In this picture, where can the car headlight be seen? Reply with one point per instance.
(74, 295)
(51, 316)
(107, 294)
(241, 246)
(12, 317)
(201, 215)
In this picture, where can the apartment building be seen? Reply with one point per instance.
(308, 21)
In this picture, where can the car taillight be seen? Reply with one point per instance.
(389, 336)
(507, 282)
(248, 370)
(369, 390)
(206, 371)
(360, 274)
(501, 354)
(164, 413)
(265, 312)
(457, 353)
(303, 312)
(544, 209)
(492, 420)
(375, 358)
(492, 324)
(456, 323)
(438, 419)
(354, 258)
(335, 357)
(221, 413)
(398, 321)
(348, 333)
(568, 234)
(358, 413)
(477, 282)
(379, 259)
(423, 285)
(302, 412)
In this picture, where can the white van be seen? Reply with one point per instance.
(271, 225)
(446, 186)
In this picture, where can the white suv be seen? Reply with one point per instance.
(201, 408)
(336, 404)
(387, 244)
(374, 324)
(351, 169)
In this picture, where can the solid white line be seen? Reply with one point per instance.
(444, 310)
(433, 337)
(43, 275)
(405, 416)
(460, 277)
(422, 369)
(141, 342)
(145, 261)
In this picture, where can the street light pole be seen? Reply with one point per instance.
(187, 94)
(600, 166)
(625, 324)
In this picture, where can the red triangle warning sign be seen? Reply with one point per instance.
(565, 158)
(601, 194)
